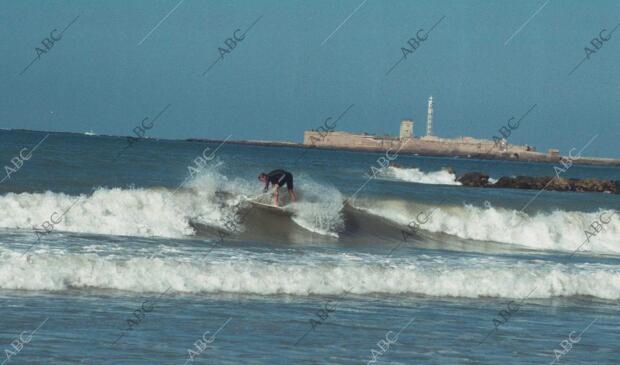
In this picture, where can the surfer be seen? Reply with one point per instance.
(277, 178)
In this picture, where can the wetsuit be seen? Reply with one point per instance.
(279, 177)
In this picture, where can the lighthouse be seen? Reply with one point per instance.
(429, 118)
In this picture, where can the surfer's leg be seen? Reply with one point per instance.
(275, 196)
(289, 187)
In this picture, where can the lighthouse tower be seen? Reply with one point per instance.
(429, 118)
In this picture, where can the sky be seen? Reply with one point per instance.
(301, 62)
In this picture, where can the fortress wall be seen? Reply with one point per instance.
(425, 145)
(348, 140)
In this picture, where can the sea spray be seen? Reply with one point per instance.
(416, 175)
(555, 230)
(278, 272)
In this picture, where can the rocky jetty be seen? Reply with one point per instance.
(481, 180)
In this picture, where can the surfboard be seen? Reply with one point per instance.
(270, 207)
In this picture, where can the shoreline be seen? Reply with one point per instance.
(533, 157)
(524, 157)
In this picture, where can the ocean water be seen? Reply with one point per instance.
(150, 253)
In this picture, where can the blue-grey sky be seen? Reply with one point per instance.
(288, 74)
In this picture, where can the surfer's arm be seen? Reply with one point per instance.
(270, 176)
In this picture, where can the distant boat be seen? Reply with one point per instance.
(90, 133)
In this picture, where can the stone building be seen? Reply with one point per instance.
(428, 144)
(406, 129)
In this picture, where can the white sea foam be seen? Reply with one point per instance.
(320, 209)
(213, 199)
(139, 212)
(416, 175)
(239, 272)
(556, 230)
(162, 212)
(135, 212)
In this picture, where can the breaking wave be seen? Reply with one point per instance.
(213, 200)
(415, 175)
(235, 271)
(209, 198)
(555, 230)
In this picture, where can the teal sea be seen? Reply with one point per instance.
(152, 252)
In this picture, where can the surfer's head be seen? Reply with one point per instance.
(262, 177)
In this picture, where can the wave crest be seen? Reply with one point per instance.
(209, 198)
(269, 274)
(556, 230)
(416, 175)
